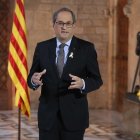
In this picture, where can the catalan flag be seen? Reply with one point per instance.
(17, 64)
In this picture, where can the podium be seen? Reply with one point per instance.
(131, 118)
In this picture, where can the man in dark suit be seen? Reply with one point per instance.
(67, 69)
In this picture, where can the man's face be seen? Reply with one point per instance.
(64, 34)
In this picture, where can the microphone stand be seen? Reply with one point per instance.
(136, 73)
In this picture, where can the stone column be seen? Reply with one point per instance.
(111, 14)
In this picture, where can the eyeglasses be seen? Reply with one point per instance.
(61, 24)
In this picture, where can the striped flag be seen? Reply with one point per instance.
(17, 64)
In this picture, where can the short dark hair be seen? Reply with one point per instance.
(63, 9)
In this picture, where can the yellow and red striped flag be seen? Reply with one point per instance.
(17, 64)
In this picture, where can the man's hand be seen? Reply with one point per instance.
(77, 84)
(36, 77)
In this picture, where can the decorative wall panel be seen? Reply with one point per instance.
(6, 17)
(4, 44)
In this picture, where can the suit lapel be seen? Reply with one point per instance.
(71, 55)
(52, 50)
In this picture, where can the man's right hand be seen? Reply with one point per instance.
(36, 77)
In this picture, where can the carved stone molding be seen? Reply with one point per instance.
(130, 2)
(127, 9)
(111, 8)
(108, 12)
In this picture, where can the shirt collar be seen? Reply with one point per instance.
(67, 43)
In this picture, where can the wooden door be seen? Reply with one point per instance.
(6, 17)
(122, 55)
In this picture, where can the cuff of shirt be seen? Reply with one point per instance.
(33, 82)
(83, 88)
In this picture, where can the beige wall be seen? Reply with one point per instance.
(132, 10)
(91, 25)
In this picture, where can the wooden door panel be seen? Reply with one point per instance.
(6, 17)
(122, 55)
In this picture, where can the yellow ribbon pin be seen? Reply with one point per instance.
(71, 55)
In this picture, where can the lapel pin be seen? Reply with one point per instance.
(71, 55)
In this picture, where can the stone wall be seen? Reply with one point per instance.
(132, 10)
(91, 26)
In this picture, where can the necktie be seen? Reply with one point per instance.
(60, 59)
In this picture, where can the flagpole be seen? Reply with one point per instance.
(19, 122)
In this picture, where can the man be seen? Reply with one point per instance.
(67, 69)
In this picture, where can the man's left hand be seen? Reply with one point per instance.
(77, 84)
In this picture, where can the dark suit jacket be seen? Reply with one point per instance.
(55, 93)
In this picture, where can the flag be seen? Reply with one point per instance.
(17, 63)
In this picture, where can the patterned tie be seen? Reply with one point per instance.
(60, 59)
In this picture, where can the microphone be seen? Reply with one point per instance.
(138, 44)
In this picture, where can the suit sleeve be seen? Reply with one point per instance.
(34, 68)
(93, 80)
